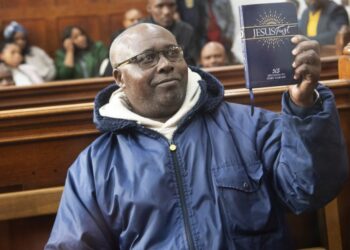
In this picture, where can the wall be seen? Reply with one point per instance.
(46, 19)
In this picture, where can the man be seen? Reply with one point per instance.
(213, 55)
(179, 168)
(322, 20)
(162, 12)
(212, 20)
(131, 17)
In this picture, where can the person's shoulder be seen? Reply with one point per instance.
(26, 67)
(99, 44)
(334, 7)
(184, 26)
(36, 49)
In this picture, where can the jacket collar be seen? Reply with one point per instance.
(212, 93)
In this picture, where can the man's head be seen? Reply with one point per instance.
(131, 17)
(212, 55)
(315, 5)
(154, 82)
(162, 11)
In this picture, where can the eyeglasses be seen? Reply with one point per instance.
(150, 58)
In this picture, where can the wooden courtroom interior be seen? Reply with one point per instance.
(84, 90)
(43, 128)
(37, 145)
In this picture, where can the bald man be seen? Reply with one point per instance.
(179, 168)
(213, 54)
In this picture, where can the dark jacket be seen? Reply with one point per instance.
(226, 185)
(333, 16)
(183, 33)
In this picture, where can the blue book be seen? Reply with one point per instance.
(266, 31)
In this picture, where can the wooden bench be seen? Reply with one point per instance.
(37, 146)
(84, 90)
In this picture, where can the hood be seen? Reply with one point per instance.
(212, 93)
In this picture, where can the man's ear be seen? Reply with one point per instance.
(118, 77)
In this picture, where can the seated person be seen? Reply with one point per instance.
(162, 13)
(5, 76)
(131, 16)
(79, 56)
(322, 20)
(177, 167)
(33, 55)
(213, 55)
(22, 74)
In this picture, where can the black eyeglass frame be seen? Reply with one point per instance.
(132, 59)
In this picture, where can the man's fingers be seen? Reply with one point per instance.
(304, 45)
(307, 57)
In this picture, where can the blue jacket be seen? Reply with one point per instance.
(224, 182)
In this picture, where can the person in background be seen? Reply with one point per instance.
(213, 54)
(131, 17)
(79, 56)
(162, 13)
(177, 167)
(296, 3)
(33, 55)
(220, 24)
(22, 74)
(5, 76)
(194, 12)
(322, 20)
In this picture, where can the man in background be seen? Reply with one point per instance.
(162, 12)
(131, 17)
(322, 20)
(213, 55)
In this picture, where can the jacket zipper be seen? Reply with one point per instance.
(179, 182)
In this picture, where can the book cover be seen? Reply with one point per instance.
(266, 31)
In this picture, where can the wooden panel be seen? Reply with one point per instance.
(17, 128)
(47, 141)
(91, 24)
(31, 203)
(54, 13)
(28, 234)
(84, 90)
(37, 27)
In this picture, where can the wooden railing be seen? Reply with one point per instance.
(85, 90)
(37, 145)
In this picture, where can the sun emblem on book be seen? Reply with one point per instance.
(271, 19)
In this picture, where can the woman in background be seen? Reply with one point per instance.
(33, 55)
(22, 74)
(79, 56)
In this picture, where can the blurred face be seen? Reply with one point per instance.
(158, 91)
(132, 17)
(314, 5)
(213, 55)
(11, 55)
(79, 39)
(162, 11)
(20, 39)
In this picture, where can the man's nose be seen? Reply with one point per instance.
(164, 65)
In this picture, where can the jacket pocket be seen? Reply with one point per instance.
(244, 200)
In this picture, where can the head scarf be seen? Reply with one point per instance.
(12, 28)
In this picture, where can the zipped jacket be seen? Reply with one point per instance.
(225, 181)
